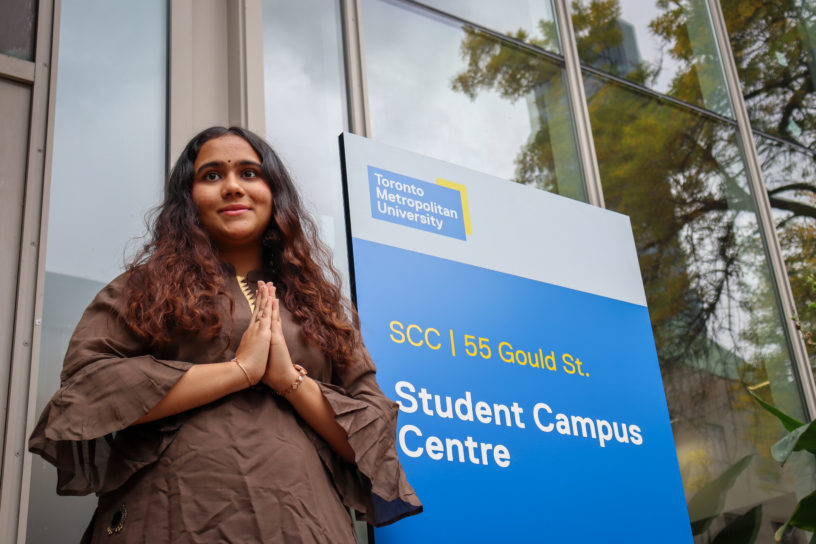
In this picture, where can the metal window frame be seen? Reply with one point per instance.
(770, 241)
(351, 18)
(17, 69)
(578, 105)
(22, 383)
(214, 77)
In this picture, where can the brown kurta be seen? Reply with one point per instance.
(245, 468)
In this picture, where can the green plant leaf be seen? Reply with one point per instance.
(743, 530)
(787, 421)
(804, 517)
(709, 500)
(802, 438)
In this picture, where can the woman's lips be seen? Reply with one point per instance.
(234, 210)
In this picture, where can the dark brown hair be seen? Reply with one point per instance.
(175, 282)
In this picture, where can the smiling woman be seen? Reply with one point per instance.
(203, 402)
(232, 197)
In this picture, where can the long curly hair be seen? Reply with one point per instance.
(175, 281)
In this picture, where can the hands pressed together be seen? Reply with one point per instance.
(262, 352)
(262, 356)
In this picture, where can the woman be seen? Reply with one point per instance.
(218, 390)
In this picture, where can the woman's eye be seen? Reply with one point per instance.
(250, 174)
(211, 176)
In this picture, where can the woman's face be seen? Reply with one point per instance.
(233, 199)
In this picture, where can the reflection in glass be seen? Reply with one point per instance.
(680, 178)
(773, 43)
(527, 20)
(18, 29)
(666, 46)
(438, 96)
(108, 170)
(305, 106)
(789, 174)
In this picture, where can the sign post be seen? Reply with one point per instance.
(511, 326)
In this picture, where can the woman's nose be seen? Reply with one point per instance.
(231, 186)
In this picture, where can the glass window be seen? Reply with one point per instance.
(789, 174)
(448, 95)
(18, 29)
(679, 176)
(528, 20)
(306, 106)
(773, 44)
(108, 170)
(666, 46)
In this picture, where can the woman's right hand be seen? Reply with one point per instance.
(253, 350)
(202, 384)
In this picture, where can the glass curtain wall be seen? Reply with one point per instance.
(520, 19)
(669, 158)
(790, 178)
(679, 175)
(305, 104)
(773, 45)
(664, 46)
(432, 90)
(453, 80)
(108, 170)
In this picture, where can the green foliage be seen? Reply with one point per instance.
(801, 437)
(787, 421)
(804, 516)
(709, 501)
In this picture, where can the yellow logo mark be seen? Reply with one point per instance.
(463, 192)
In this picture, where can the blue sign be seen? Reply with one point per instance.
(522, 358)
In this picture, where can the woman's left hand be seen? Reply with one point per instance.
(307, 400)
(280, 373)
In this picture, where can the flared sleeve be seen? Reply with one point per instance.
(108, 381)
(375, 486)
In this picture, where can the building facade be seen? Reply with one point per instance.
(696, 118)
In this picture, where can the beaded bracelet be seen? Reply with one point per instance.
(292, 388)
